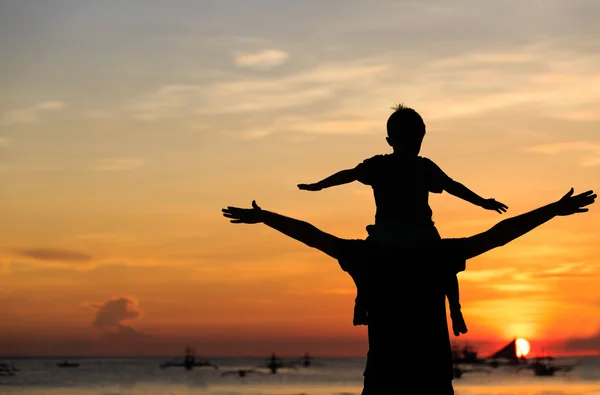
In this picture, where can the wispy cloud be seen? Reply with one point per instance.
(485, 275)
(264, 60)
(54, 255)
(591, 343)
(568, 270)
(244, 96)
(31, 114)
(590, 150)
(96, 114)
(119, 164)
(537, 77)
(517, 287)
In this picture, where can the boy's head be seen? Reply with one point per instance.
(405, 129)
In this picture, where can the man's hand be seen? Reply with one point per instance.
(492, 204)
(570, 204)
(243, 215)
(309, 187)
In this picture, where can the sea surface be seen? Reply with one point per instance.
(326, 376)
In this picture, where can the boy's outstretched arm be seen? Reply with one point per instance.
(512, 228)
(296, 229)
(339, 178)
(459, 190)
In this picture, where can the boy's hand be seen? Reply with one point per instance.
(309, 187)
(243, 215)
(492, 204)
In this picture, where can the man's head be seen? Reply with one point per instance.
(405, 129)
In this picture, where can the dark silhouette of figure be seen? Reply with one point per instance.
(240, 372)
(426, 341)
(401, 184)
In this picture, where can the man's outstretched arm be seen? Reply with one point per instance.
(512, 228)
(296, 229)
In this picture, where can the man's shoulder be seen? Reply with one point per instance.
(379, 158)
(426, 160)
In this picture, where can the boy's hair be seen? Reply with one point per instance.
(405, 125)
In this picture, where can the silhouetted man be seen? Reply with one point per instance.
(404, 356)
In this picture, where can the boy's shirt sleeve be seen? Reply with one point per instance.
(366, 171)
(437, 179)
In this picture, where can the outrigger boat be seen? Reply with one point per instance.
(7, 369)
(189, 361)
(67, 364)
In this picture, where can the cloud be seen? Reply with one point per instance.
(557, 148)
(112, 313)
(54, 254)
(112, 316)
(353, 96)
(119, 164)
(96, 114)
(263, 60)
(591, 150)
(251, 96)
(568, 270)
(515, 287)
(50, 105)
(478, 276)
(31, 114)
(591, 343)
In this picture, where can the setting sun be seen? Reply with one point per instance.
(522, 347)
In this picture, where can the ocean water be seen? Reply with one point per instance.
(328, 376)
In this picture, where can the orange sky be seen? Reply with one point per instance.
(124, 131)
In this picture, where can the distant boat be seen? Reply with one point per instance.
(67, 364)
(542, 367)
(508, 354)
(241, 372)
(7, 369)
(466, 355)
(274, 363)
(458, 371)
(305, 362)
(189, 362)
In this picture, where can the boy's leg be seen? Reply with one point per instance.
(360, 306)
(458, 322)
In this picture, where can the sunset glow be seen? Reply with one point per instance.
(523, 347)
(125, 127)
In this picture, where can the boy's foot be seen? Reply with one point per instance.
(458, 324)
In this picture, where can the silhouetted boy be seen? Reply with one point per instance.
(401, 183)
